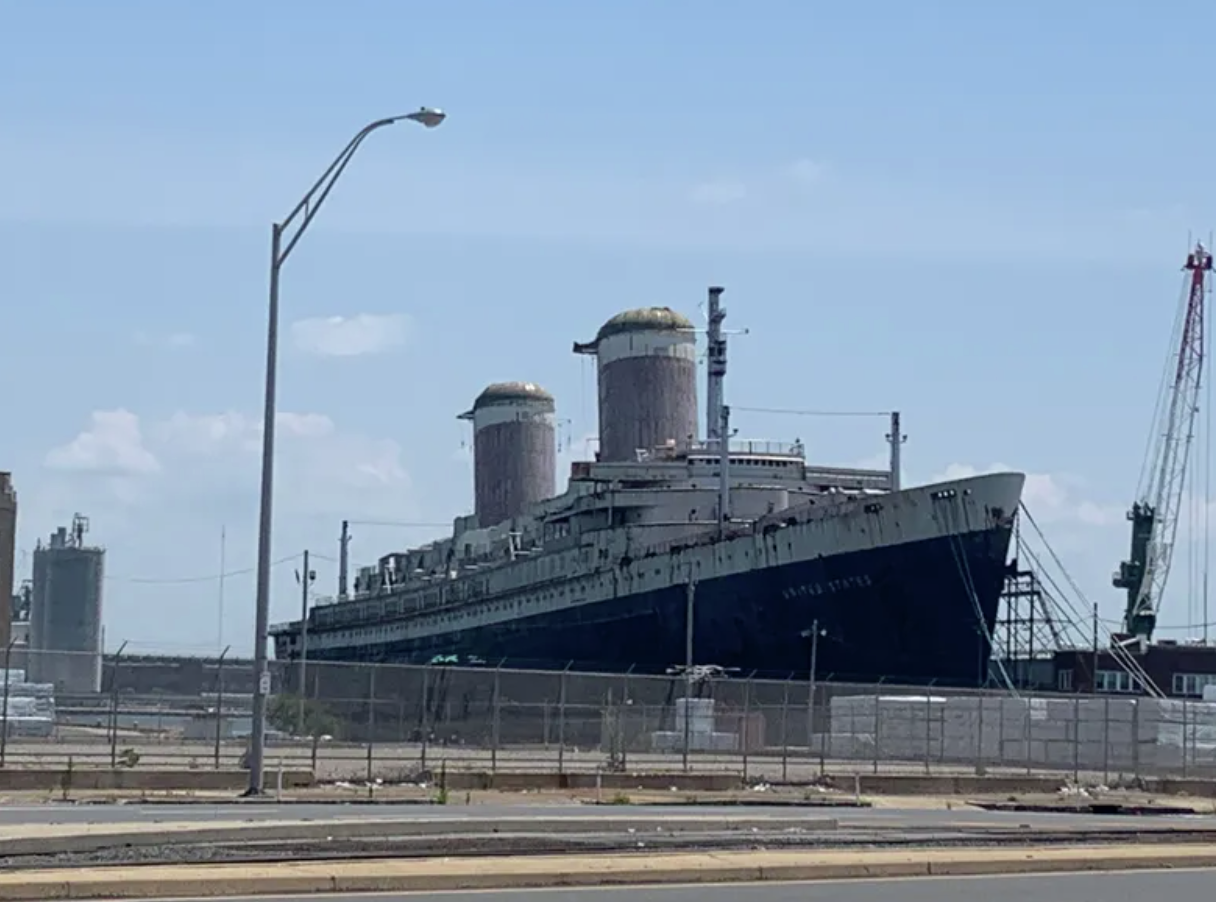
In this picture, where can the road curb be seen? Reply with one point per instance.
(621, 870)
(165, 834)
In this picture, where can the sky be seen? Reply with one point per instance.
(973, 213)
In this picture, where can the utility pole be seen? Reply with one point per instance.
(306, 578)
(810, 694)
(814, 651)
(219, 628)
(343, 560)
(690, 602)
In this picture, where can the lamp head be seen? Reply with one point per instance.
(427, 116)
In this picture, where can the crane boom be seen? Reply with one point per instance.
(1154, 516)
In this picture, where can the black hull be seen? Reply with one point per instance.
(914, 613)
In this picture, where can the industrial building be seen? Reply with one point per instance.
(65, 611)
(646, 367)
(514, 450)
(8, 552)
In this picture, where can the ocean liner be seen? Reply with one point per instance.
(669, 549)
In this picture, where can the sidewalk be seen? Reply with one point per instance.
(431, 875)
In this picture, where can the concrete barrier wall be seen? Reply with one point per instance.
(140, 780)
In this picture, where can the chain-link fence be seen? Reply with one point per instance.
(394, 722)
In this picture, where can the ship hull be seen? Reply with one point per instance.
(914, 612)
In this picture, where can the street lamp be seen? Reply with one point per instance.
(281, 245)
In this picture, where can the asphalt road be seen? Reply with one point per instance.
(13, 815)
(1177, 886)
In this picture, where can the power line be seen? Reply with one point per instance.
(813, 413)
(396, 523)
(195, 579)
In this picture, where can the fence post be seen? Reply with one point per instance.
(219, 704)
(371, 724)
(1106, 742)
(561, 723)
(623, 714)
(1028, 733)
(928, 727)
(403, 729)
(745, 726)
(316, 736)
(686, 739)
(608, 727)
(1136, 771)
(877, 698)
(785, 734)
(1184, 719)
(114, 707)
(8, 656)
(425, 726)
(825, 732)
(979, 733)
(1076, 739)
(494, 720)
(810, 717)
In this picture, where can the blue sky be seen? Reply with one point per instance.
(972, 212)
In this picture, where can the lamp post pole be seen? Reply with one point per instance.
(283, 239)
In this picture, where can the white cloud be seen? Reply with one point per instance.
(718, 193)
(172, 340)
(1048, 497)
(112, 445)
(876, 461)
(232, 431)
(159, 493)
(206, 433)
(211, 456)
(806, 172)
(339, 336)
(315, 453)
(772, 184)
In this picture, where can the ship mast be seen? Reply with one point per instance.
(717, 414)
(716, 369)
(896, 438)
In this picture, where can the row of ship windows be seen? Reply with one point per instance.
(454, 617)
(355, 611)
(496, 607)
(749, 462)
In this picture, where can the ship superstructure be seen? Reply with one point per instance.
(897, 583)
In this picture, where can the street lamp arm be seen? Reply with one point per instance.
(310, 204)
(300, 217)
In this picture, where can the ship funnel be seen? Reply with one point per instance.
(646, 362)
(514, 450)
